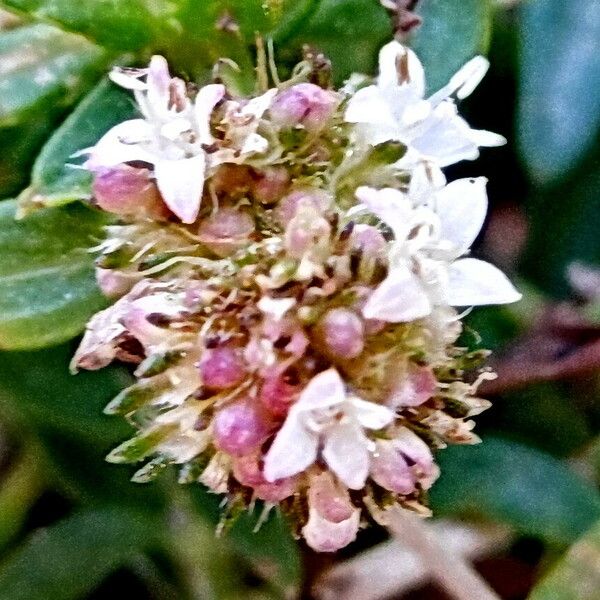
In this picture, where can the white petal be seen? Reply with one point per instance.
(255, 144)
(398, 298)
(158, 82)
(487, 139)
(391, 70)
(180, 183)
(126, 80)
(275, 307)
(464, 81)
(475, 282)
(121, 144)
(292, 451)
(257, 106)
(369, 414)
(346, 453)
(324, 390)
(369, 105)
(206, 100)
(391, 206)
(462, 206)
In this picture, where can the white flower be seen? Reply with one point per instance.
(170, 136)
(174, 133)
(428, 239)
(325, 414)
(396, 109)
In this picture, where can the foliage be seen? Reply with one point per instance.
(54, 101)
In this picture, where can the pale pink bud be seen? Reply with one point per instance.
(247, 470)
(221, 368)
(271, 184)
(240, 428)
(113, 283)
(415, 385)
(342, 332)
(277, 395)
(333, 520)
(368, 240)
(126, 191)
(304, 104)
(226, 230)
(313, 197)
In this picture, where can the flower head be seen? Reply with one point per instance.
(284, 271)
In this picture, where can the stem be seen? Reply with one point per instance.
(453, 573)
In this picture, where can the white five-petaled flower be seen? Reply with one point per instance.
(396, 109)
(174, 134)
(424, 265)
(325, 414)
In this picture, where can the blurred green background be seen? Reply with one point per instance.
(72, 526)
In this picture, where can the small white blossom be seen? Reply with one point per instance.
(396, 109)
(325, 414)
(428, 240)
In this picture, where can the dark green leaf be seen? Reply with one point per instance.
(559, 103)
(452, 32)
(577, 575)
(44, 69)
(47, 286)
(121, 24)
(69, 559)
(53, 181)
(564, 227)
(505, 481)
(349, 32)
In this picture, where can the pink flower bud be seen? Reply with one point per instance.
(221, 368)
(342, 332)
(226, 230)
(333, 520)
(113, 283)
(304, 104)
(126, 191)
(247, 470)
(367, 239)
(288, 207)
(277, 395)
(271, 185)
(240, 428)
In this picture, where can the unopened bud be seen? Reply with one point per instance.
(240, 428)
(226, 230)
(221, 368)
(127, 191)
(342, 332)
(304, 104)
(271, 185)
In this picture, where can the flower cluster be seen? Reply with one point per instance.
(286, 271)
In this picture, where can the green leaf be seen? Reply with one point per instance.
(44, 70)
(505, 481)
(452, 32)
(47, 286)
(559, 101)
(349, 32)
(53, 181)
(577, 575)
(564, 227)
(20, 144)
(122, 24)
(69, 559)
(39, 389)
